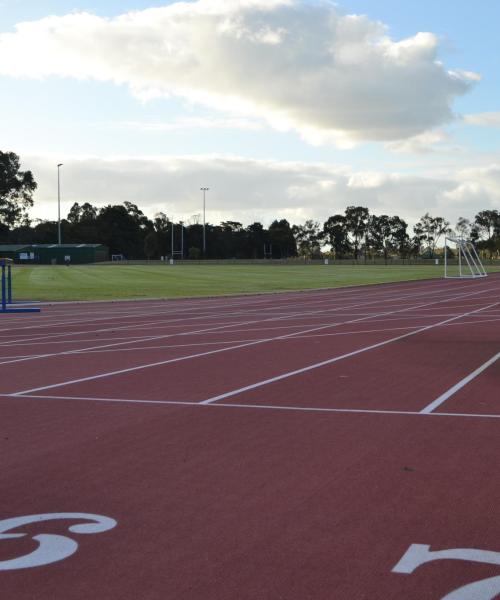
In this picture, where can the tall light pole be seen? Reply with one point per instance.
(59, 204)
(182, 239)
(204, 189)
(173, 225)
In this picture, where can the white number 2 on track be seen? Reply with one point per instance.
(485, 589)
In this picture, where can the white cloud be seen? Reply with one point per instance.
(478, 187)
(485, 119)
(424, 143)
(187, 123)
(247, 190)
(299, 65)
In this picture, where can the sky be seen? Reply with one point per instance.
(283, 108)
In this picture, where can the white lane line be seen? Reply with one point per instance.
(338, 294)
(229, 348)
(92, 399)
(218, 328)
(238, 346)
(167, 321)
(185, 333)
(241, 341)
(336, 358)
(458, 386)
(306, 409)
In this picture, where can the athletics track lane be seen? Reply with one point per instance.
(386, 377)
(226, 502)
(214, 503)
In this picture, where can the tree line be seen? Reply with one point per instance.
(126, 230)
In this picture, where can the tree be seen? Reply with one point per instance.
(81, 214)
(429, 230)
(307, 237)
(380, 234)
(487, 230)
(282, 240)
(356, 219)
(400, 240)
(463, 227)
(120, 231)
(256, 237)
(488, 223)
(151, 245)
(388, 234)
(16, 190)
(335, 234)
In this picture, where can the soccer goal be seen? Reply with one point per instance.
(466, 264)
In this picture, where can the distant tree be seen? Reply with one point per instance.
(400, 240)
(16, 190)
(487, 231)
(380, 233)
(256, 237)
(151, 245)
(429, 230)
(80, 214)
(194, 253)
(307, 238)
(463, 227)
(45, 232)
(356, 225)
(336, 235)
(160, 222)
(162, 227)
(488, 223)
(121, 231)
(282, 240)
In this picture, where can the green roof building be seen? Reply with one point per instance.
(53, 254)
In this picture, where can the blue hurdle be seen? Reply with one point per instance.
(6, 287)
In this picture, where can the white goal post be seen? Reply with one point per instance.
(469, 264)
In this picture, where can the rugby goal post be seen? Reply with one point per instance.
(469, 264)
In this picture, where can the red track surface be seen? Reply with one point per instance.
(259, 447)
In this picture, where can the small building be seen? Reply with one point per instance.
(55, 254)
(14, 251)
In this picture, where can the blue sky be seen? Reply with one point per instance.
(265, 146)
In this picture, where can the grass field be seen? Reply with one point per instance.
(106, 282)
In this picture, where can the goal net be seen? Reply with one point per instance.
(464, 263)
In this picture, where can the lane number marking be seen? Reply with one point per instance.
(51, 547)
(484, 589)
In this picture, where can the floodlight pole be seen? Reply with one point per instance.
(173, 239)
(182, 239)
(204, 189)
(59, 203)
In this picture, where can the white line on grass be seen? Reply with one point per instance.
(458, 386)
(336, 358)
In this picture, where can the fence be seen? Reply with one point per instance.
(302, 262)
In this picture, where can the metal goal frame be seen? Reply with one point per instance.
(469, 263)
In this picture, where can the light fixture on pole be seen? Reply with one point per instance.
(204, 189)
(59, 204)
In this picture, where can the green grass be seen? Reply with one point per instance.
(106, 282)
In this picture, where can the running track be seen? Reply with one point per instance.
(325, 445)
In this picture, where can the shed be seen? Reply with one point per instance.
(14, 251)
(54, 254)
